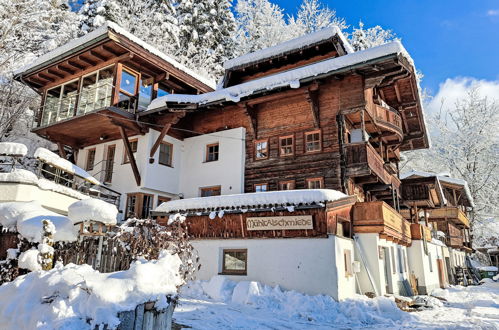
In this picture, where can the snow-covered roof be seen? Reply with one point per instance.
(13, 149)
(442, 177)
(99, 33)
(51, 158)
(93, 209)
(288, 46)
(253, 200)
(291, 78)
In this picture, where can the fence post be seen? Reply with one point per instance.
(99, 254)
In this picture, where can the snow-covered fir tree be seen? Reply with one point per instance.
(312, 16)
(206, 34)
(366, 38)
(154, 21)
(261, 24)
(28, 29)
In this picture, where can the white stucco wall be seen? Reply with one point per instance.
(24, 192)
(369, 245)
(312, 266)
(227, 171)
(419, 265)
(188, 173)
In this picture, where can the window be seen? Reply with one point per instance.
(313, 141)
(347, 256)
(394, 263)
(286, 145)
(260, 187)
(128, 81)
(235, 262)
(109, 164)
(165, 153)
(210, 191)
(90, 159)
(162, 200)
(262, 149)
(315, 183)
(287, 185)
(96, 90)
(145, 92)
(139, 205)
(133, 146)
(430, 261)
(401, 264)
(212, 152)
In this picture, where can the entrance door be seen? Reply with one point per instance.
(449, 270)
(387, 270)
(441, 275)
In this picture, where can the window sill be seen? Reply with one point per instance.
(233, 274)
(210, 161)
(170, 166)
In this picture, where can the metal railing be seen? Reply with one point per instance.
(77, 104)
(46, 171)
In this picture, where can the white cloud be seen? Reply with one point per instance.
(456, 88)
(493, 12)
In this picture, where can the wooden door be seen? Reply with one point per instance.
(441, 274)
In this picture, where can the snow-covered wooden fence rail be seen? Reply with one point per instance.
(113, 256)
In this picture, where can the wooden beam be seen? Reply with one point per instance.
(62, 68)
(76, 65)
(312, 97)
(176, 117)
(250, 112)
(62, 152)
(55, 73)
(44, 76)
(98, 56)
(130, 155)
(86, 60)
(109, 50)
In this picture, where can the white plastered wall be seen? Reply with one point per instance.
(312, 266)
(227, 171)
(188, 173)
(369, 246)
(424, 266)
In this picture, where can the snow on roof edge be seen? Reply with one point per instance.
(287, 78)
(443, 178)
(286, 197)
(287, 46)
(102, 30)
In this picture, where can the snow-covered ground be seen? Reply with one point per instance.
(221, 304)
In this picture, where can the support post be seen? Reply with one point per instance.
(130, 155)
(312, 97)
(62, 152)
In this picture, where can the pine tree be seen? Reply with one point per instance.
(366, 38)
(313, 16)
(261, 24)
(28, 29)
(206, 34)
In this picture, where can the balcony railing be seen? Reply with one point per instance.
(47, 171)
(419, 231)
(386, 116)
(363, 160)
(378, 217)
(76, 104)
(454, 214)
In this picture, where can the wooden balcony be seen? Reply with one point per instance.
(419, 231)
(453, 214)
(378, 217)
(363, 161)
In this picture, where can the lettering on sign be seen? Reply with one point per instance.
(296, 222)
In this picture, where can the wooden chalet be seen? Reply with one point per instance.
(441, 201)
(317, 115)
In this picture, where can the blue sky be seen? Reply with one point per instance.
(447, 39)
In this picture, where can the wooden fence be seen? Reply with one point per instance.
(113, 256)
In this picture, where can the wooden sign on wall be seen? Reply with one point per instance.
(295, 222)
